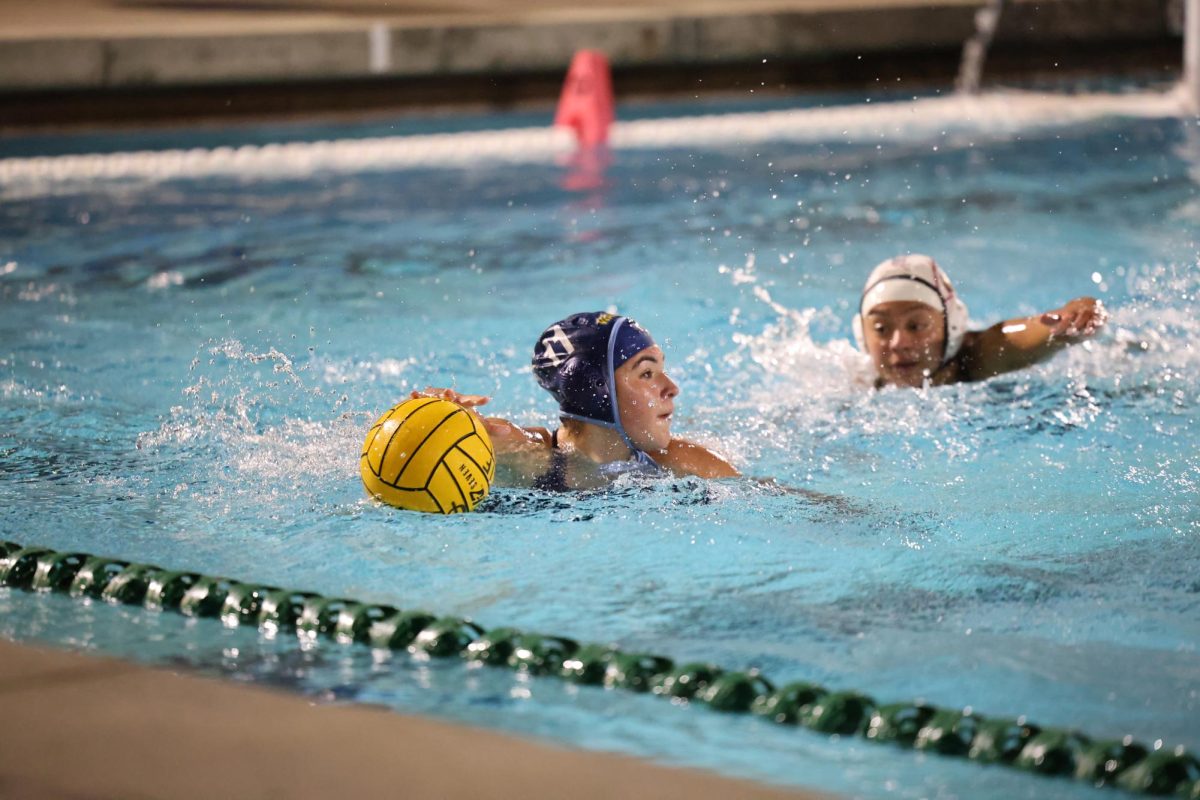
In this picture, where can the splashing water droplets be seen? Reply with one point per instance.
(242, 432)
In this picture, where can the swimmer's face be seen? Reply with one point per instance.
(646, 400)
(906, 340)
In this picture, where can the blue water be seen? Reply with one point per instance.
(188, 369)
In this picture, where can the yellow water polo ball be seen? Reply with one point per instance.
(428, 454)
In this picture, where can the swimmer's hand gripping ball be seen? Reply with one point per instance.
(428, 454)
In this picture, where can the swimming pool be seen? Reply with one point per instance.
(189, 365)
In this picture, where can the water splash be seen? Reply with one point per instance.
(257, 426)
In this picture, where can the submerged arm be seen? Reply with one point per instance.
(833, 502)
(1022, 342)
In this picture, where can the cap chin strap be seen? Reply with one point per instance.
(610, 379)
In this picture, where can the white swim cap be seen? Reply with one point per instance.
(919, 279)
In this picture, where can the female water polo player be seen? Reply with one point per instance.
(615, 402)
(914, 327)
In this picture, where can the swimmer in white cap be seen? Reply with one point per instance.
(914, 326)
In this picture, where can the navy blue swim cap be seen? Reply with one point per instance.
(575, 358)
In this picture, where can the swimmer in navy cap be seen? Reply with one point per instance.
(615, 402)
(914, 326)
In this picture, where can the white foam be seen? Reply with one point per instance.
(990, 116)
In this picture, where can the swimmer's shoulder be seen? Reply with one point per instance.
(968, 364)
(541, 460)
(523, 455)
(986, 354)
(508, 438)
(688, 458)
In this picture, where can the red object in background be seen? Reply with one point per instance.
(585, 169)
(586, 104)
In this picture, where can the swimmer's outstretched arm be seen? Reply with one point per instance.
(688, 458)
(1022, 342)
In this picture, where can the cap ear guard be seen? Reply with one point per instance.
(856, 325)
(583, 392)
(957, 320)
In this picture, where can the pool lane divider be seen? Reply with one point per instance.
(1017, 743)
(995, 115)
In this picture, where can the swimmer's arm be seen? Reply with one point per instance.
(1018, 343)
(688, 458)
(521, 453)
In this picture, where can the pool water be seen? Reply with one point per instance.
(188, 368)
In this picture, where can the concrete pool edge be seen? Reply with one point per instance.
(101, 727)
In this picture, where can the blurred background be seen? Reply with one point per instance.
(123, 62)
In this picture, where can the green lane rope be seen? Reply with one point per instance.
(1014, 742)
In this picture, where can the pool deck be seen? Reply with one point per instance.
(81, 60)
(81, 726)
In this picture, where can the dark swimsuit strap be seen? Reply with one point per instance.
(554, 479)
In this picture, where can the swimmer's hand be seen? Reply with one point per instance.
(464, 400)
(1077, 320)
